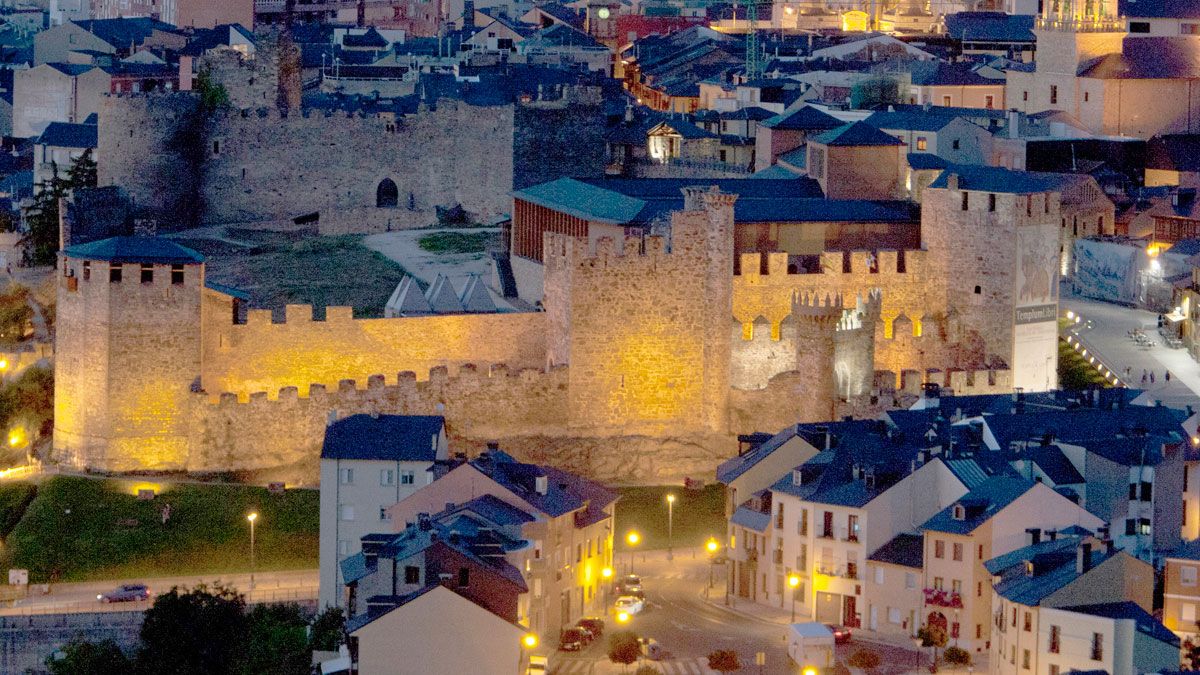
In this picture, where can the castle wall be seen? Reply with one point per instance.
(261, 356)
(259, 165)
(288, 425)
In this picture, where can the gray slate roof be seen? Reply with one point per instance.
(68, 135)
(475, 297)
(442, 297)
(394, 438)
(856, 134)
(907, 550)
(129, 249)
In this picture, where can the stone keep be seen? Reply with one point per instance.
(128, 344)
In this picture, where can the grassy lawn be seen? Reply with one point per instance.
(456, 242)
(320, 271)
(1074, 372)
(77, 529)
(698, 515)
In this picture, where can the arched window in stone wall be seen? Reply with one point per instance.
(387, 195)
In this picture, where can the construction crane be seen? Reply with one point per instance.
(754, 55)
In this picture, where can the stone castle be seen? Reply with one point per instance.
(348, 171)
(650, 356)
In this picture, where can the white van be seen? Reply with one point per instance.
(810, 645)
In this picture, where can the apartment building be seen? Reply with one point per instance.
(368, 463)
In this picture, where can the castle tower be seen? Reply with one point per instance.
(127, 353)
(817, 319)
(1067, 33)
(718, 296)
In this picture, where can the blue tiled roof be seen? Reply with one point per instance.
(804, 118)
(996, 179)
(135, 250)
(1146, 623)
(979, 505)
(732, 468)
(565, 492)
(123, 32)
(1188, 550)
(1164, 9)
(354, 568)
(907, 550)
(924, 161)
(750, 519)
(687, 130)
(855, 134)
(797, 158)
(394, 438)
(909, 120)
(370, 38)
(990, 27)
(582, 200)
(775, 172)
(1051, 460)
(227, 290)
(942, 74)
(749, 113)
(67, 135)
(495, 510)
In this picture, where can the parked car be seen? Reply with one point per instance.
(630, 604)
(572, 639)
(653, 650)
(126, 593)
(630, 584)
(841, 634)
(593, 625)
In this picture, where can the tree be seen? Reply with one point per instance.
(41, 218)
(623, 648)
(957, 656)
(16, 316)
(935, 637)
(724, 661)
(865, 659)
(213, 95)
(276, 643)
(875, 91)
(328, 630)
(194, 632)
(89, 658)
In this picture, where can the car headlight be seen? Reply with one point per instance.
(99, 596)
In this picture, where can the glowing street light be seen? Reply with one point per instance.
(606, 574)
(622, 617)
(670, 525)
(252, 517)
(793, 583)
(711, 546)
(632, 539)
(529, 641)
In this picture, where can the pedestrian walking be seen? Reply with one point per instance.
(1152, 377)
(1127, 369)
(1143, 377)
(1167, 377)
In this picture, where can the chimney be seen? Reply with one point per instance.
(629, 113)
(492, 446)
(1083, 558)
(952, 181)
(468, 14)
(423, 522)
(1014, 124)
(541, 485)
(1110, 546)
(1051, 535)
(1035, 536)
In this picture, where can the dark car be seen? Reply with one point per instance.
(593, 625)
(126, 593)
(841, 634)
(572, 640)
(630, 584)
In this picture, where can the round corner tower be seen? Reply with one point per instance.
(128, 350)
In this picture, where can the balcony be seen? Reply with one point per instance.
(936, 597)
(1107, 24)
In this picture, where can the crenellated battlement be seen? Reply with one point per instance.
(814, 308)
(579, 252)
(469, 377)
(886, 262)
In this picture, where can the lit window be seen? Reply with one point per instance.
(922, 144)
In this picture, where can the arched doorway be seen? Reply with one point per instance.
(387, 195)
(938, 620)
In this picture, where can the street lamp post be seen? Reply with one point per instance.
(711, 546)
(252, 517)
(606, 574)
(632, 539)
(670, 526)
(793, 583)
(918, 642)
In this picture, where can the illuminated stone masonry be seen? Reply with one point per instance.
(649, 358)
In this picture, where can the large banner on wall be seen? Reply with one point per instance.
(1035, 319)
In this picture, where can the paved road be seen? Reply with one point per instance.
(680, 618)
(1103, 330)
(290, 586)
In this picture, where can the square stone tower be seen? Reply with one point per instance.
(128, 351)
